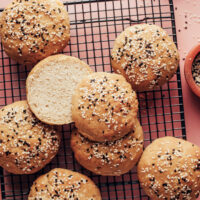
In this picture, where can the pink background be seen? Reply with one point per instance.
(187, 25)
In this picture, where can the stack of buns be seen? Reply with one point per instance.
(108, 138)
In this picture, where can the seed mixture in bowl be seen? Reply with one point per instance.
(196, 70)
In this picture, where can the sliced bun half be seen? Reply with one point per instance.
(50, 86)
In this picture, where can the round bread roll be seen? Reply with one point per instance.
(26, 144)
(33, 30)
(170, 169)
(145, 55)
(104, 107)
(61, 184)
(109, 158)
(50, 86)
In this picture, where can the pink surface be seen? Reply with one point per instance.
(188, 27)
(186, 16)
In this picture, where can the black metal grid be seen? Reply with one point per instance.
(94, 26)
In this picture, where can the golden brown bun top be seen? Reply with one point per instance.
(26, 144)
(34, 29)
(60, 184)
(109, 158)
(170, 169)
(143, 53)
(104, 107)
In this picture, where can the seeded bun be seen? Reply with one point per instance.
(26, 144)
(170, 169)
(33, 30)
(145, 55)
(50, 86)
(109, 158)
(104, 107)
(64, 184)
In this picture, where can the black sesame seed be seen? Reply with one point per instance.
(152, 179)
(164, 184)
(197, 195)
(169, 158)
(92, 81)
(184, 179)
(140, 64)
(8, 153)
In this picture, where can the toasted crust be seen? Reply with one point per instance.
(145, 55)
(26, 144)
(63, 184)
(104, 107)
(33, 30)
(170, 169)
(109, 158)
(50, 86)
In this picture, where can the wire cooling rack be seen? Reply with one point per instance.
(94, 27)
